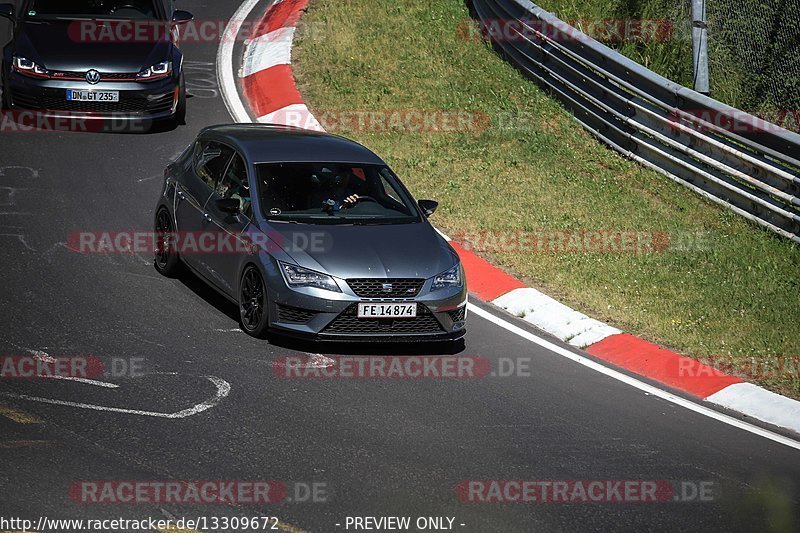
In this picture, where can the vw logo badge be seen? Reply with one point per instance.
(387, 287)
(93, 77)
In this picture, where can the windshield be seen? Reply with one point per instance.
(330, 193)
(91, 9)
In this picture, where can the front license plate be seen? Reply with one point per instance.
(387, 310)
(92, 96)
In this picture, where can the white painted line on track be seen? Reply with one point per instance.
(47, 358)
(42, 356)
(315, 360)
(633, 382)
(223, 389)
(87, 381)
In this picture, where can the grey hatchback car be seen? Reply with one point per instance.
(311, 235)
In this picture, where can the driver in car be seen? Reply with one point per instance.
(339, 193)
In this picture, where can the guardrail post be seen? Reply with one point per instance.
(700, 46)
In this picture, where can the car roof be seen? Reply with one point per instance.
(274, 143)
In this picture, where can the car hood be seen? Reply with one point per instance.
(59, 45)
(377, 251)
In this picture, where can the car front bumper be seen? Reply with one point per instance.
(137, 101)
(327, 316)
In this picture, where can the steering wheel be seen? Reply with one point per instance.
(359, 198)
(366, 198)
(127, 6)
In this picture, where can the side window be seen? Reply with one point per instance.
(389, 196)
(211, 159)
(234, 184)
(389, 191)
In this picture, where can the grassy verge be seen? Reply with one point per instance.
(722, 288)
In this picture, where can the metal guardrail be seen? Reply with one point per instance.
(749, 166)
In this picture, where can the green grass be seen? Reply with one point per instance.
(671, 57)
(733, 291)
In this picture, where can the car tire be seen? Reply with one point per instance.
(179, 119)
(253, 303)
(166, 258)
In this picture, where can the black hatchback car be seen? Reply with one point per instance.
(105, 59)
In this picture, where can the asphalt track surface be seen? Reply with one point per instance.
(381, 447)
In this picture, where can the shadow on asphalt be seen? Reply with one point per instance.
(369, 348)
(210, 296)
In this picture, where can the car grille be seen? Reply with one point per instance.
(458, 315)
(373, 288)
(25, 100)
(104, 76)
(349, 323)
(127, 104)
(293, 315)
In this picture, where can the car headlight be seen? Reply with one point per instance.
(451, 278)
(157, 71)
(297, 276)
(31, 68)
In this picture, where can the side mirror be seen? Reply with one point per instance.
(428, 207)
(228, 205)
(181, 17)
(7, 11)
